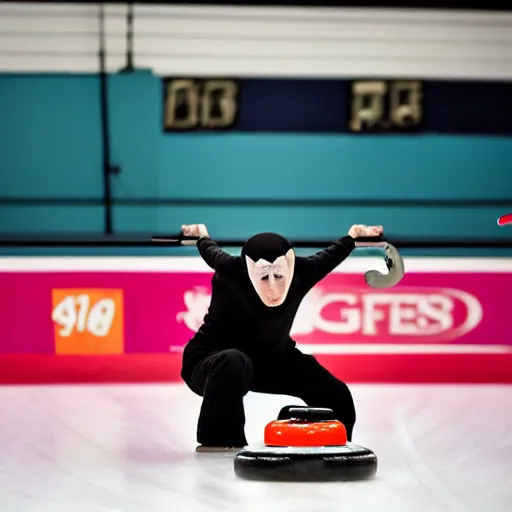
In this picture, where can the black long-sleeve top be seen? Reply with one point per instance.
(237, 318)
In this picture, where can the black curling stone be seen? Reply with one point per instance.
(306, 464)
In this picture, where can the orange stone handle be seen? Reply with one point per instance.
(301, 433)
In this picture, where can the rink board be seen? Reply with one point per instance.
(94, 319)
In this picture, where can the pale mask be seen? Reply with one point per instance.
(270, 262)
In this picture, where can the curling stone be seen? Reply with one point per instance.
(307, 445)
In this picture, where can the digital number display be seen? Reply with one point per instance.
(191, 104)
(385, 106)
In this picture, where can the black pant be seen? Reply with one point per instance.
(224, 378)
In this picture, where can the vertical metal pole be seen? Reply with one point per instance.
(107, 185)
(129, 38)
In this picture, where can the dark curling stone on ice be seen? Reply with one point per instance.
(305, 444)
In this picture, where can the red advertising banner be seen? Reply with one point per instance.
(112, 306)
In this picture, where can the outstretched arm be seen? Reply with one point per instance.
(319, 265)
(216, 258)
(316, 267)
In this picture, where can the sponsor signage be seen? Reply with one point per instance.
(89, 306)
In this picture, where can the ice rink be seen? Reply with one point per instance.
(131, 448)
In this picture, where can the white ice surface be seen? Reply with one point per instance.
(131, 449)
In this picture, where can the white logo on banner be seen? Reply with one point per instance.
(422, 312)
(76, 314)
(197, 302)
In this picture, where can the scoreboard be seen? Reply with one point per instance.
(383, 106)
(358, 106)
(191, 104)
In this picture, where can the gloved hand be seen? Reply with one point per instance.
(198, 230)
(360, 231)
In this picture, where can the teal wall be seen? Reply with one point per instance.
(50, 145)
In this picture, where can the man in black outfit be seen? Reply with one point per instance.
(244, 343)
